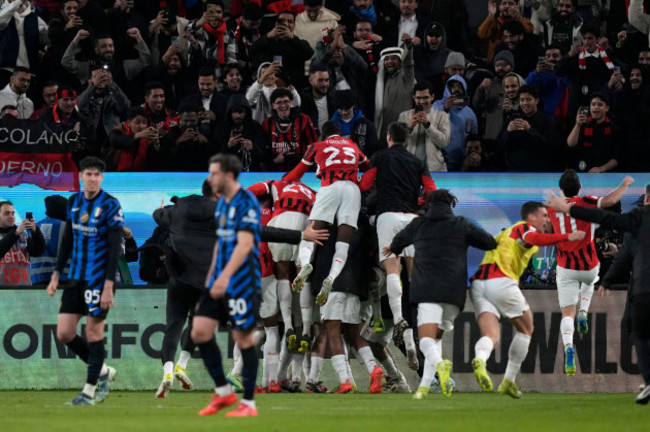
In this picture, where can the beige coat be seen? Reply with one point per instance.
(436, 137)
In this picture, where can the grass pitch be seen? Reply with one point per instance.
(140, 411)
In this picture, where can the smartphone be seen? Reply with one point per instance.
(175, 40)
(617, 69)
(541, 59)
(29, 216)
(277, 58)
(418, 108)
(584, 110)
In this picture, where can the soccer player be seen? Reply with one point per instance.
(292, 203)
(577, 262)
(338, 160)
(495, 292)
(400, 177)
(92, 240)
(233, 286)
(439, 283)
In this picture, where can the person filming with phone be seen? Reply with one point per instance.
(17, 245)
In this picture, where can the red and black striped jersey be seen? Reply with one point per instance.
(295, 196)
(578, 255)
(337, 158)
(266, 260)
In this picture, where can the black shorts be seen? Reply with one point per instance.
(78, 299)
(242, 314)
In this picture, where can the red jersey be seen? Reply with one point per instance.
(579, 255)
(337, 158)
(295, 196)
(266, 260)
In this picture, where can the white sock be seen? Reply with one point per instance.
(340, 257)
(368, 358)
(341, 368)
(409, 343)
(431, 359)
(567, 327)
(438, 345)
(389, 367)
(296, 366)
(305, 252)
(483, 348)
(271, 348)
(265, 370)
(184, 358)
(284, 298)
(307, 308)
(516, 355)
(316, 369)
(239, 364)
(586, 292)
(306, 364)
(89, 390)
(168, 368)
(374, 292)
(249, 402)
(224, 390)
(285, 359)
(394, 289)
(104, 370)
(259, 337)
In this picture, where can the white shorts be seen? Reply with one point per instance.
(498, 296)
(569, 281)
(365, 313)
(381, 338)
(341, 306)
(288, 220)
(442, 314)
(388, 225)
(270, 305)
(340, 200)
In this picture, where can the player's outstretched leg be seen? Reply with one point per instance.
(224, 396)
(516, 355)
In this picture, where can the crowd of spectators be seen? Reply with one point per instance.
(483, 85)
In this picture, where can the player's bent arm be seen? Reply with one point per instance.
(404, 237)
(65, 249)
(367, 179)
(245, 243)
(479, 238)
(624, 222)
(544, 239)
(114, 237)
(258, 189)
(615, 196)
(296, 174)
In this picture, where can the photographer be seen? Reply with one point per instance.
(243, 136)
(429, 129)
(17, 244)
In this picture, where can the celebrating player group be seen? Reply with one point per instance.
(294, 272)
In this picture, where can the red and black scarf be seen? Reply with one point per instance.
(588, 135)
(218, 33)
(238, 34)
(371, 56)
(134, 159)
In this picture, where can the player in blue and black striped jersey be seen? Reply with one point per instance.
(233, 286)
(92, 241)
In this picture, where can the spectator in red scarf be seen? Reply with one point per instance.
(129, 144)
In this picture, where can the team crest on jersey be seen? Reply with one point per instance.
(97, 212)
(84, 217)
(222, 222)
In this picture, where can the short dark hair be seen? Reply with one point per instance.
(206, 189)
(423, 85)
(4, 203)
(530, 89)
(90, 162)
(216, 3)
(153, 85)
(553, 46)
(398, 131)
(227, 68)
(228, 163)
(474, 137)
(312, 3)
(279, 93)
(513, 27)
(530, 207)
(590, 27)
(285, 12)
(443, 196)
(206, 71)
(344, 99)
(330, 127)
(135, 111)
(644, 49)
(252, 11)
(569, 183)
(313, 68)
(19, 69)
(363, 21)
(51, 83)
(603, 96)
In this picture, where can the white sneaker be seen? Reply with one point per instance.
(165, 386)
(644, 396)
(180, 374)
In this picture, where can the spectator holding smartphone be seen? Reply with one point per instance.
(17, 244)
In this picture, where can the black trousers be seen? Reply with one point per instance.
(181, 301)
(640, 312)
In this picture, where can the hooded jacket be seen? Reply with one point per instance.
(257, 159)
(458, 119)
(441, 241)
(430, 63)
(360, 130)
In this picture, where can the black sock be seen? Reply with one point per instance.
(80, 347)
(96, 355)
(249, 371)
(212, 360)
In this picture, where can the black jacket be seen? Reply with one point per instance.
(636, 222)
(192, 236)
(441, 241)
(35, 242)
